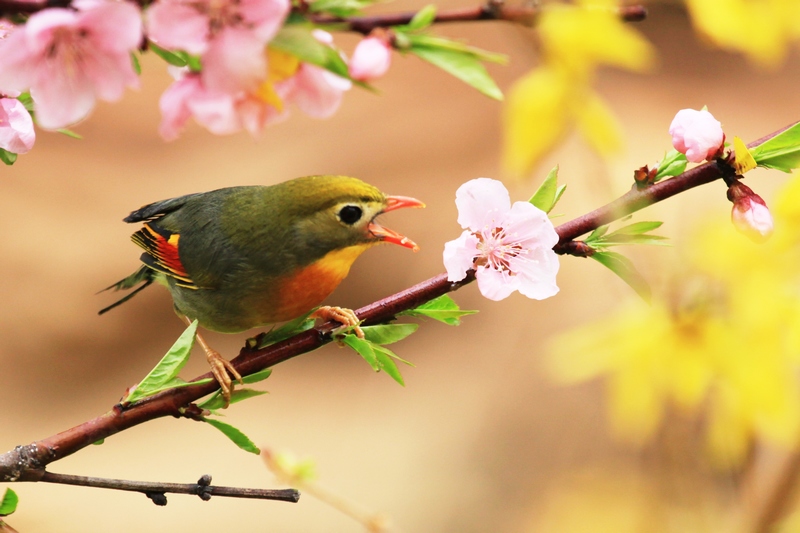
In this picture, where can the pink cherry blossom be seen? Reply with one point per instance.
(16, 127)
(68, 58)
(696, 134)
(509, 246)
(750, 214)
(316, 91)
(229, 35)
(371, 59)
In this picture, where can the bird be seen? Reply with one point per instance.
(239, 258)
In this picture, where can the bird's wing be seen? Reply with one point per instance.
(161, 253)
(157, 210)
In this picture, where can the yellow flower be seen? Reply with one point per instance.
(727, 351)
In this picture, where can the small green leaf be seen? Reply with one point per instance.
(299, 41)
(382, 355)
(545, 196)
(596, 234)
(70, 133)
(464, 65)
(339, 8)
(423, 18)
(388, 333)
(9, 503)
(559, 193)
(781, 152)
(364, 349)
(99, 442)
(218, 402)
(7, 157)
(443, 309)
(672, 164)
(135, 62)
(166, 371)
(290, 329)
(26, 100)
(624, 268)
(238, 438)
(441, 43)
(173, 58)
(637, 228)
(258, 376)
(623, 239)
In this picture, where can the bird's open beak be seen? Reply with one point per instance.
(388, 235)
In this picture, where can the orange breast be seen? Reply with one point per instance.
(307, 288)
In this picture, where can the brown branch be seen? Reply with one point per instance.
(155, 491)
(27, 463)
(523, 15)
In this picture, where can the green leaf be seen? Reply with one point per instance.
(559, 193)
(70, 133)
(637, 228)
(623, 239)
(164, 374)
(423, 18)
(137, 67)
(7, 157)
(443, 309)
(384, 359)
(256, 377)
(9, 503)
(339, 8)
(441, 43)
(364, 349)
(596, 234)
(624, 268)
(238, 395)
(27, 101)
(464, 64)
(99, 442)
(388, 333)
(298, 41)
(173, 58)
(290, 329)
(672, 164)
(545, 196)
(238, 438)
(781, 152)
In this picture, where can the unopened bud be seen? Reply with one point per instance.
(697, 135)
(371, 59)
(750, 214)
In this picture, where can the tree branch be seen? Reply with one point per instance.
(155, 491)
(27, 463)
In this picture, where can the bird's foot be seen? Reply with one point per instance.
(347, 317)
(223, 370)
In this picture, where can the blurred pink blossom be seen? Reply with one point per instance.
(229, 35)
(316, 91)
(510, 247)
(16, 127)
(371, 59)
(697, 134)
(750, 214)
(68, 58)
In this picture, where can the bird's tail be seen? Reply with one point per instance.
(144, 275)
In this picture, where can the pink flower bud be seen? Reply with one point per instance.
(16, 127)
(750, 214)
(371, 59)
(696, 134)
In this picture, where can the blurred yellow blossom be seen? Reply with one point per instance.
(726, 348)
(760, 29)
(557, 96)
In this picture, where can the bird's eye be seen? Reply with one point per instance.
(350, 214)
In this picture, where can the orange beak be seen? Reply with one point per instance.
(387, 235)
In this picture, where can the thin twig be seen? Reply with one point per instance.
(202, 488)
(27, 463)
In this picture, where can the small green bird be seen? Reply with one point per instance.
(244, 257)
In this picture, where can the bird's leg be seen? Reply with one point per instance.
(346, 317)
(221, 368)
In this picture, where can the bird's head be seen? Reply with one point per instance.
(335, 212)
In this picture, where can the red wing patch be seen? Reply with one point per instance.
(161, 253)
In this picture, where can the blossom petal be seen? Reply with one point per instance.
(459, 256)
(16, 126)
(178, 27)
(265, 16)
(64, 99)
(481, 203)
(234, 62)
(115, 26)
(496, 284)
(316, 92)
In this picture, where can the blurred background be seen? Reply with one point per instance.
(480, 439)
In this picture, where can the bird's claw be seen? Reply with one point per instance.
(346, 317)
(222, 369)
